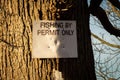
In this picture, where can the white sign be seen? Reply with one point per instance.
(54, 39)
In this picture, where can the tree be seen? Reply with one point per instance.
(106, 61)
(16, 38)
(106, 51)
(16, 18)
(97, 11)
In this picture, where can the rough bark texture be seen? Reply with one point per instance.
(16, 18)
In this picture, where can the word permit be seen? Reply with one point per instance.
(55, 28)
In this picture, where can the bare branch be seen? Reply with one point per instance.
(105, 42)
(101, 15)
(116, 3)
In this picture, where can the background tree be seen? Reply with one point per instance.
(105, 46)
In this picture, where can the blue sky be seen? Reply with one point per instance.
(97, 28)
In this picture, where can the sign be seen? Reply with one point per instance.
(54, 39)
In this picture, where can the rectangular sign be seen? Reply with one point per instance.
(54, 39)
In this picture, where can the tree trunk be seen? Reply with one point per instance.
(16, 19)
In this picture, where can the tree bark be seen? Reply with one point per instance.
(16, 22)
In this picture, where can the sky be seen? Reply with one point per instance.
(104, 54)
